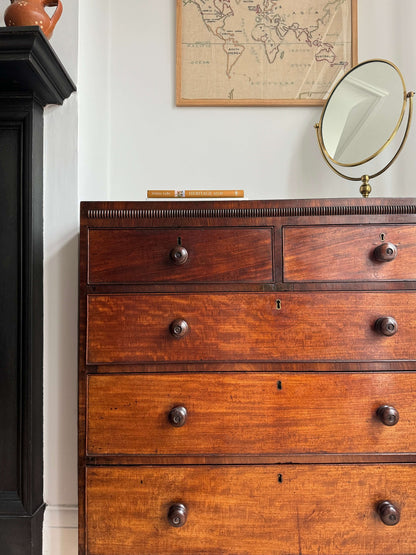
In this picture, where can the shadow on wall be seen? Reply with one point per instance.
(60, 374)
(308, 173)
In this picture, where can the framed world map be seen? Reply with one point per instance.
(262, 52)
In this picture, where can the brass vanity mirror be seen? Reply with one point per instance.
(362, 115)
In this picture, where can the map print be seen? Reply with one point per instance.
(265, 50)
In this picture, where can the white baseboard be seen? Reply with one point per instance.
(60, 530)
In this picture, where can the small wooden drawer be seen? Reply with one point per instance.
(252, 510)
(257, 413)
(349, 253)
(316, 326)
(180, 255)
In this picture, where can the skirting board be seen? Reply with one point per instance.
(60, 530)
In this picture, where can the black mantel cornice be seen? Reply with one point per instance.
(29, 65)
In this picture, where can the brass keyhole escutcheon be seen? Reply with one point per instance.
(278, 304)
(382, 236)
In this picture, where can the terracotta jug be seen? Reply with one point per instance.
(32, 12)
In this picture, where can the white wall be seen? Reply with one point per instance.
(122, 134)
(271, 152)
(61, 224)
(94, 89)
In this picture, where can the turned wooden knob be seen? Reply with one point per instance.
(179, 328)
(388, 415)
(177, 416)
(385, 252)
(388, 513)
(177, 515)
(179, 255)
(386, 326)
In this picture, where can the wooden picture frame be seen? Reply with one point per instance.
(261, 52)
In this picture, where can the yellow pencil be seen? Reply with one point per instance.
(195, 193)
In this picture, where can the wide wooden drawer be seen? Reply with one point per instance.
(230, 254)
(349, 253)
(315, 326)
(257, 413)
(252, 510)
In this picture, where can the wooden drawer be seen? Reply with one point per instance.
(315, 326)
(348, 253)
(258, 413)
(257, 510)
(180, 255)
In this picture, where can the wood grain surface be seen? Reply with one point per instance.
(255, 413)
(248, 326)
(247, 377)
(250, 510)
(346, 253)
(234, 254)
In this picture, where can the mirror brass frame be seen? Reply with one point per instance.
(396, 128)
(365, 188)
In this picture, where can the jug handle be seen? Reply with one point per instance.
(56, 15)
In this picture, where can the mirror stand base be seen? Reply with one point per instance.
(365, 188)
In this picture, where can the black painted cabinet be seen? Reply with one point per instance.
(31, 76)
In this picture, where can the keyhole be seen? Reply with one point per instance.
(382, 236)
(278, 304)
(179, 240)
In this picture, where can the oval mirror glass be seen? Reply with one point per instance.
(363, 113)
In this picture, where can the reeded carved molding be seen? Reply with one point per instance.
(299, 211)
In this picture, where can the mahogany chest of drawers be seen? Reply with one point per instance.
(247, 378)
